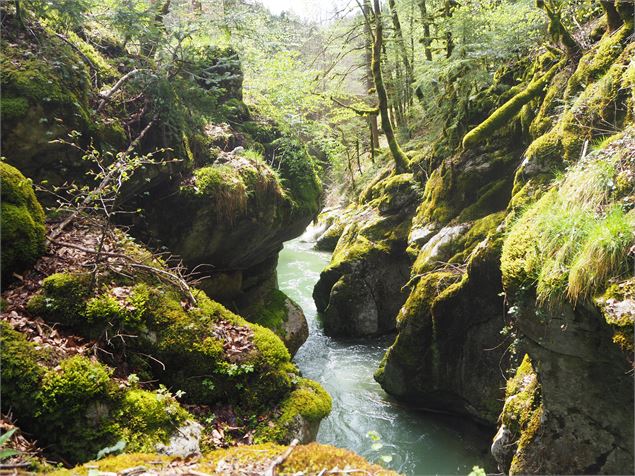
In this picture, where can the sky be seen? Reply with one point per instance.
(317, 10)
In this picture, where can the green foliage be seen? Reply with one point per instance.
(574, 238)
(6, 453)
(67, 14)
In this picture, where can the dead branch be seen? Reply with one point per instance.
(106, 95)
(171, 277)
(281, 459)
(86, 59)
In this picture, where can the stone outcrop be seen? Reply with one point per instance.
(359, 293)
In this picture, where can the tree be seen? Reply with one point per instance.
(425, 22)
(398, 155)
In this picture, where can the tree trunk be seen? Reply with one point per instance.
(400, 158)
(372, 118)
(427, 39)
(447, 13)
(613, 18)
(401, 46)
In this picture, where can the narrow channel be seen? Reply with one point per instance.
(410, 442)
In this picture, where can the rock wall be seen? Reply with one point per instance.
(216, 203)
(520, 263)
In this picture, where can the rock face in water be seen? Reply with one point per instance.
(359, 293)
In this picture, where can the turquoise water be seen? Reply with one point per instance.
(412, 442)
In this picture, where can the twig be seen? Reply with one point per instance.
(174, 278)
(105, 181)
(81, 53)
(281, 459)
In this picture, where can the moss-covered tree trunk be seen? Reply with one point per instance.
(370, 85)
(449, 41)
(557, 30)
(398, 155)
(425, 21)
(613, 18)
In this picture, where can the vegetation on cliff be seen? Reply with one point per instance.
(479, 171)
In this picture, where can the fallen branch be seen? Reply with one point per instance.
(106, 95)
(81, 53)
(360, 112)
(171, 277)
(281, 459)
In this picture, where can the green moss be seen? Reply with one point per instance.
(145, 418)
(13, 108)
(307, 459)
(308, 401)
(549, 107)
(104, 68)
(528, 436)
(21, 373)
(597, 61)
(22, 222)
(63, 299)
(507, 111)
(491, 197)
(272, 314)
(479, 230)
(74, 402)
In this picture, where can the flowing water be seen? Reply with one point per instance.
(408, 441)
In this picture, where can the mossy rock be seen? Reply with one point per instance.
(437, 360)
(76, 408)
(23, 232)
(307, 459)
(276, 311)
(522, 404)
(359, 292)
(45, 96)
(187, 344)
(298, 416)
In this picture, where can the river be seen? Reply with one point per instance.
(364, 418)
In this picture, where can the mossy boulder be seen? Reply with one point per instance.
(447, 352)
(45, 91)
(234, 214)
(298, 416)
(187, 344)
(278, 312)
(23, 232)
(559, 255)
(306, 459)
(76, 408)
(359, 293)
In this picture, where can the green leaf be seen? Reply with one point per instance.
(377, 446)
(4, 438)
(116, 448)
(4, 454)
(386, 458)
